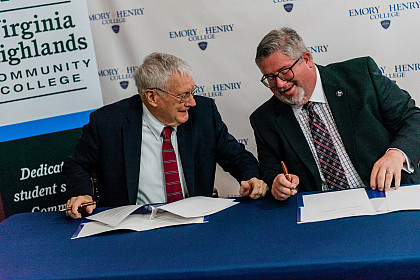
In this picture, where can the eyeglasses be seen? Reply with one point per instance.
(285, 74)
(181, 98)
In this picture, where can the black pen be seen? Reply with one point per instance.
(83, 205)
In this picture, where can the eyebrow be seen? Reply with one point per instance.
(280, 69)
(191, 90)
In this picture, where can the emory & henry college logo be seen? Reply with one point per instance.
(384, 14)
(116, 17)
(217, 90)
(201, 35)
(288, 7)
(399, 71)
(121, 75)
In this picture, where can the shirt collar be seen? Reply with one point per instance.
(318, 94)
(152, 123)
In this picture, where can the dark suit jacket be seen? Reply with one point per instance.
(372, 115)
(110, 149)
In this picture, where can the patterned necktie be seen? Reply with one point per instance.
(330, 163)
(170, 168)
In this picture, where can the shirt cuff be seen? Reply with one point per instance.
(407, 166)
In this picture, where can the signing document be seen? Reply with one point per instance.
(145, 217)
(356, 202)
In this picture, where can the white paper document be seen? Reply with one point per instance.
(186, 211)
(114, 216)
(405, 198)
(197, 206)
(136, 222)
(334, 205)
(356, 202)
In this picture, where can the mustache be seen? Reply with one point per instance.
(283, 89)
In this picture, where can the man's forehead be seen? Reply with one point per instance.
(275, 62)
(177, 79)
(178, 75)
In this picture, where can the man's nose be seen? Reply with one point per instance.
(190, 101)
(280, 82)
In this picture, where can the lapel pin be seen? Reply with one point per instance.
(339, 93)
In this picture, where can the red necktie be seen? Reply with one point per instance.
(170, 168)
(328, 158)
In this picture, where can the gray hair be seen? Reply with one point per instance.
(286, 40)
(156, 69)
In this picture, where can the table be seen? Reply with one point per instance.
(252, 240)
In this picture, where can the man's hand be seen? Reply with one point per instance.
(282, 188)
(387, 168)
(253, 188)
(75, 202)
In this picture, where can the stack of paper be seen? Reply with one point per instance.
(187, 211)
(356, 202)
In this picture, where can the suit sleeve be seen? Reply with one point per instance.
(268, 155)
(78, 168)
(231, 155)
(399, 113)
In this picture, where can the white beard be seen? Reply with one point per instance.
(294, 101)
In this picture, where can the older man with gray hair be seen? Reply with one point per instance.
(159, 146)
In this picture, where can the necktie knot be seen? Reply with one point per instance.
(167, 131)
(309, 106)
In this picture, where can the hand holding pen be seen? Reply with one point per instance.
(284, 185)
(76, 205)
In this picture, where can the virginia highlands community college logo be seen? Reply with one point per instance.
(201, 35)
(384, 14)
(121, 75)
(287, 5)
(115, 18)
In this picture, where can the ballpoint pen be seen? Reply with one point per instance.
(83, 205)
(287, 175)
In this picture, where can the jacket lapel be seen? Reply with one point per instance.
(337, 100)
(185, 136)
(132, 148)
(288, 124)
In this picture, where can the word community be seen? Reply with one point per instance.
(45, 79)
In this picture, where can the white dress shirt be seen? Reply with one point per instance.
(151, 180)
(323, 110)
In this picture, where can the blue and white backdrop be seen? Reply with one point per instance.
(218, 38)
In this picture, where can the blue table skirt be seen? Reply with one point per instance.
(252, 240)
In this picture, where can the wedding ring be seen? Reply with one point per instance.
(389, 172)
(291, 191)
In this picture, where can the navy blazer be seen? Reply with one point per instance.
(372, 114)
(110, 146)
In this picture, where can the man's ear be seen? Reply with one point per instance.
(150, 96)
(307, 58)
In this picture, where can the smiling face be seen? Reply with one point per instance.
(297, 91)
(167, 108)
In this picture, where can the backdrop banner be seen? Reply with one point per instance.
(219, 39)
(48, 85)
(49, 74)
